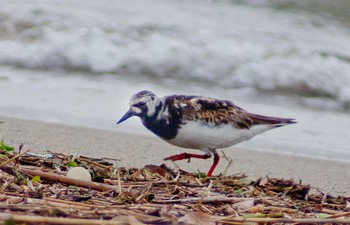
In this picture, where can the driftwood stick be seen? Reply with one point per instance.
(71, 181)
(67, 180)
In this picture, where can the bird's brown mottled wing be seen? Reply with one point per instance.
(211, 111)
(216, 112)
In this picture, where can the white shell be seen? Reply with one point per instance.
(79, 173)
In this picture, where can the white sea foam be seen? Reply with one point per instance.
(214, 43)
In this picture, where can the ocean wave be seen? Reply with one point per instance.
(231, 46)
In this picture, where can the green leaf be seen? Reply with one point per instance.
(199, 175)
(5, 147)
(260, 215)
(238, 192)
(72, 164)
(323, 215)
(9, 222)
(36, 179)
(276, 215)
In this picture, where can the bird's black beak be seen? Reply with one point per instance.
(126, 116)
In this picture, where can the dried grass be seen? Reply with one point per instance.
(152, 195)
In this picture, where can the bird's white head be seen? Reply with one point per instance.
(142, 104)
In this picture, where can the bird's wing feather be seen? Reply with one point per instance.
(216, 112)
(208, 110)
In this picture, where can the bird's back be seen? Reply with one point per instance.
(214, 112)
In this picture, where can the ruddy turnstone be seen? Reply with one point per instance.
(197, 122)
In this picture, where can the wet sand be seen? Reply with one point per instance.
(137, 151)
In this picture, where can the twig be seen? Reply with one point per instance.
(209, 187)
(177, 166)
(280, 209)
(177, 177)
(69, 203)
(119, 183)
(339, 215)
(112, 159)
(61, 209)
(208, 199)
(142, 183)
(93, 162)
(329, 211)
(20, 147)
(13, 158)
(74, 156)
(18, 207)
(230, 161)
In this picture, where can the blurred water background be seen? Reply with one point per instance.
(78, 62)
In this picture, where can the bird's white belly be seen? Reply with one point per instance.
(196, 135)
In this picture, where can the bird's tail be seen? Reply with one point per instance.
(268, 120)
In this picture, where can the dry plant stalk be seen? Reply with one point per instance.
(152, 195)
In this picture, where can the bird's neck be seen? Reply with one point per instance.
(162, 123)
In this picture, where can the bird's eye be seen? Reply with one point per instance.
(140, 104)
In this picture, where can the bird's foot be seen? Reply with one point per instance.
(187, 156)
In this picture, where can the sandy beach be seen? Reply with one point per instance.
(137, 151)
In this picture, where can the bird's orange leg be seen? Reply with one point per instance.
(215, 163)
(189, 156)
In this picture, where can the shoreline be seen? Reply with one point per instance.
(137, 151)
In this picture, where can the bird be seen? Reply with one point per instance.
(197, 122)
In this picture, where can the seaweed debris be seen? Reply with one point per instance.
(34, 189)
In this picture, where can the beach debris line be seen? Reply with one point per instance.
(34, 189)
